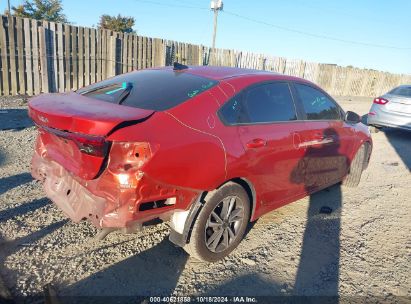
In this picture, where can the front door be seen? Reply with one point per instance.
(325, 139)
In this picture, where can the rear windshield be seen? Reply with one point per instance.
(402, 91)
(149, 89)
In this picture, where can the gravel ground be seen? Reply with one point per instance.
(363, 248)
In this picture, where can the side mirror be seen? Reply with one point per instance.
(352, 117)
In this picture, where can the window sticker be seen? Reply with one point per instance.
(208, 85)
(123, 87)
(203, 88)
(193, 93)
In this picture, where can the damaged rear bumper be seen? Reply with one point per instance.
(103, 201)
(70, 196)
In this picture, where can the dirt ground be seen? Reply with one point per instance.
(363, 248)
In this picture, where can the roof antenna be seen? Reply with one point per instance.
(178, 66)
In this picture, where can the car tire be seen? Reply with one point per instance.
(374, 129)
(357, 166)
(221, 223)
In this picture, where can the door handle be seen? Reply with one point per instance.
(323, 141)
(256, 143)
(318, 136)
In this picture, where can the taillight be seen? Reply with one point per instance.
(126, 162)
(380, 100)
(87, 144)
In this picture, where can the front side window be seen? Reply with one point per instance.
(265, 103)
(317, 105)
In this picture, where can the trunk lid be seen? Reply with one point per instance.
(73, 129)
(399, 104)
(80, 114)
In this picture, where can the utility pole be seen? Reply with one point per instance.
(9, 11)
(216, 5)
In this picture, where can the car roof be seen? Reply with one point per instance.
(232, 75)
(220, 73)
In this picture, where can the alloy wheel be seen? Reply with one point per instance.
(223, 224)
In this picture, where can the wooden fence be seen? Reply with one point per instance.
(41, 56)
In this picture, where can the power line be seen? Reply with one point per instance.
(314, 35)
(172, 5)
(283, 28)
(188, 2)
(329, 10)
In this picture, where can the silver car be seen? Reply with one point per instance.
(392, 109)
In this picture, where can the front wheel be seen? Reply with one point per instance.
(221, 223)
(356, 167)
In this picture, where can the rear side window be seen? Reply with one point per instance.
(232, 111)
(149, 89)
(402, 91)
(317, 105)
(262, 104)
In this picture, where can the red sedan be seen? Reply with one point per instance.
(208, 148)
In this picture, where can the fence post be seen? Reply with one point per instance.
(60, 56)
(262, 63)
(43, 61)
(4, 54)
(67, 55)
(200, 55)
(80, 57)
(111, 71)
(74, 57)
(35, 50)
(28, 50)
(96, 75)
(20, 56)
(12, 54)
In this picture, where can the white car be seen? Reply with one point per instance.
(392, 109)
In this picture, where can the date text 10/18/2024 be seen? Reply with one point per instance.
(203, 299)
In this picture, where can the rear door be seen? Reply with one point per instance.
(269, 128)
(327, 139)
